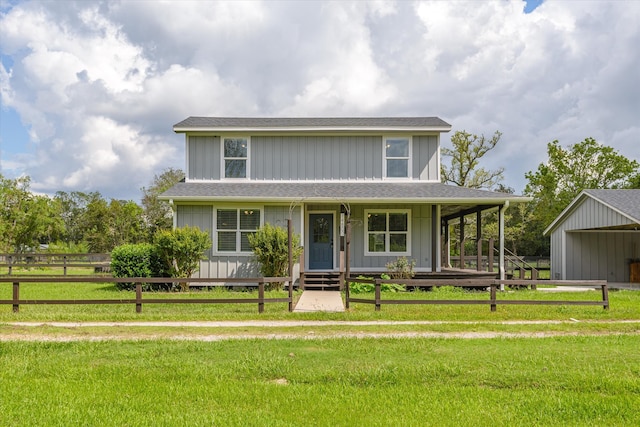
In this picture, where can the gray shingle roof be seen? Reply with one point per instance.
(627, 202)
(397, 192)
(304, 123)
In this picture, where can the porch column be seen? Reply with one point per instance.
(501, 211)
(462, 242)
(479, 240)
(435, 238)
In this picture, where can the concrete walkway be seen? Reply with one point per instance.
(319, 301)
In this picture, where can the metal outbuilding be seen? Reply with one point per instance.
(597, 237)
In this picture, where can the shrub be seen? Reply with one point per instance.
(402, 268)
(139, 260)
(270, 246)
(181, 250)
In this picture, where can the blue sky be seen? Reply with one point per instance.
(90, 89)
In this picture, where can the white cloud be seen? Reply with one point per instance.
(99, 84)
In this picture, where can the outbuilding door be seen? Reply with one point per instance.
(321, 241)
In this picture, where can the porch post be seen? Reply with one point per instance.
(435, 238)
(447, 244)
(501, 211)
(479, 240)
(462, 242)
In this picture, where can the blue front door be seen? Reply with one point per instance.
(320, 241)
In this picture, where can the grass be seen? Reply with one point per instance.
(331, 382)
(590, 375)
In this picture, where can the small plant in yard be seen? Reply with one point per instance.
(402, 268)
(181, 250)
(363, 287)
(270, 246)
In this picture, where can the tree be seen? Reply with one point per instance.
(568, 171)
(181, 250)
(270, 246)
(157, 213)
(467, 151)
(26, 220)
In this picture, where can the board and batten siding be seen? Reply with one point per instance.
(299, 158)
(578, 252)
(203, 158)
(296, 158)
(222, 266)
(420, 238)
(426, 166)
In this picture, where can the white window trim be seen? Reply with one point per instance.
(237, 231)
(409, 159)
(387, 243)
(223, 158)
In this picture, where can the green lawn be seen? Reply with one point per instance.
(561, 381)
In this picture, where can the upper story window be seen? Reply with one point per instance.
(235, 157)
(397, 157)
(233, 227)
(388, 232)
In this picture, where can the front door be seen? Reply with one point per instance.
(321, 241)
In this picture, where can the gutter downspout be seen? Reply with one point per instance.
(501, 212)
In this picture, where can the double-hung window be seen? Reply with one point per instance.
(233, 227)
(388, 232)
(235, 157)
(397, 157)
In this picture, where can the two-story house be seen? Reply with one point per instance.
(381, 173)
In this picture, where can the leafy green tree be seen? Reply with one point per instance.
(73, 206)
(270, 246)
(157, 213)
(181, 250)
(467, 151)
(26, 220)
(568, 171)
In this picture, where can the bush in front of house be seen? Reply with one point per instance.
(136, 260)
(181, 250)
(270, 246)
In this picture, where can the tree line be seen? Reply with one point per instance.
(553, 185)
(87, 222)
(78, 221)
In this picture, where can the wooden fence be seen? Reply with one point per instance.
(491, 284)
(139, 300)
(47, 260)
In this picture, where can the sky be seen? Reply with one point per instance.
(90, 90)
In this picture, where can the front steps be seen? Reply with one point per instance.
(321, 281)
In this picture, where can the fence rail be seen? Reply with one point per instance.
(491, 284)
(139, 300)
(51, 260)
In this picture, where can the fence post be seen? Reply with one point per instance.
(10, 259)
(479, 256)
(605, 296)
(138, 297)
(493, 297)
(64, 262)
(260, 297)
(16, 297)
(378, 288)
